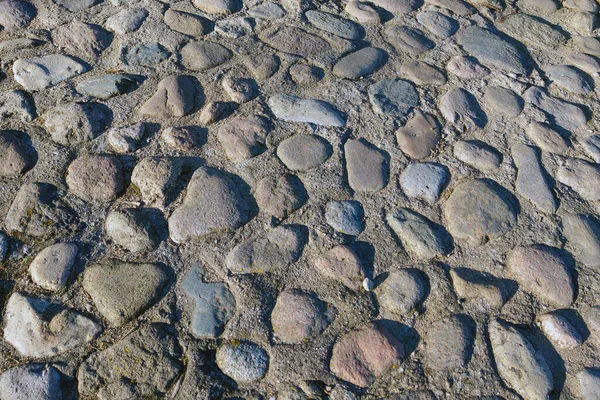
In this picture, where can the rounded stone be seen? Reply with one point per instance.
(96, 178)
(303, 152)
(346, 216)
(243, 362)
(424, 180)
(280, 196)
(401, 292)
(51, 268)
(394, 97)
(299, 316)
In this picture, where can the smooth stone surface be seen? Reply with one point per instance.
(471, 284)
(581, 176)
(519, 364)
(147, 54)
(244, 138)
(360, 63)
(16, 157)
(479, 210)
(345, 216)
(175, 96)
(462, 109)
(52, 267)
(495, 50)
(110, 373)
(107, 86)
(222, 7)
(449, 343)
(213, 304)
(96, 178)
(566, 115)
(299, 316)
(39, 211)
(362, 12)
(532, 31)
(589, 383)
(424, 181)
(279, 196)
(532, 181)
(437, 23)
(342, 264)
(82, 39)
(243, 362)
(267, 10)
(401, 292)
(35, 330)
(303, 152)
(360, 356)
(127, 21)
(583, 238)
(419, 136)
(559, 331)
(478, 155)
(366, 166)
(213, 202)
(187, 23)
(570, 79)
(121, 291)
(502, 102)
(408, 39)
(547, 138)
(591, 145)
(394, 97)
(43, 72)
(541, 270)
(76, 123)
(419, 236)
(422, 73)
(333, 24)
(295, 109)
(31, 381)
(466, 67)
(276, 250)
(204, 55)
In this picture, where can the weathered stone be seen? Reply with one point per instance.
(589, 383)
(143, 365)
(419, 136)
(82, 39)
(540, 270)
(360, 63)
(267, 10)
(424, 181)
(182, 138)
(121, 291)
(133, 229)
(333, 24)
(362, 355)
(31, 381)
(591, 145)
(76, 5)
(581, 176)
(558, 330)
(147, 54)
(244, 138)
(295, 109)
(107, 86)
(458, 7)
(341, 263)
(215, 111)
(127, 21)
(240, 90)
(398, 6)
(125, 139)
(394, 97)
(279, 196)
(583, 238)
(547, 138)
(200, 56)
(15, 14)
(419, 236)
(362, 12)
(243, 362)
(422, 73)
(274, 251)
(234, 28)
(345, 216)
(449, 343)
(306, 74)
(218, 6)
(366, 166)
(502, 102)
(15, 104)
(437, 23)
(96, 178)
(563, 114)
(466, 67)
(531, 181)
(532, 31)
(479, 210)
(520, 366)
(75, 123)
(16, 157)
(471, 284)
(570, 78)
(36, 330)
(410, 40)
(52, 267)
(478, 155)
(175, 97)
(157, 178)
(186, 23)
(461, 109)
(213, 202)
(214, 305)
(401, 292)
(37, 210)
(46, 71)
(299, 316)
(293, 40)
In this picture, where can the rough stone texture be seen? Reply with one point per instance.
(502, 101)
(295, 109)
(109, 85)
(519, 364)
(532, 31)
(279, 196)
(15, 14)
(133, 229)
(126, 139)
(471, 284)
(186, 23)
(361, 355)
(540, 270)
(345, 216)
(46, 71)
(96, 178)
(479, 210)
(581, 176)
(419, 136)
(31, 381)
(531, 180)
(243, 362)
(478, 155)
(393, 97)
(36, 330)
(583, 238)
(82, 39)
(123, 291)
(559, 331)
(52, 267)
(244, 138)
(303, 152)
(75, 123)
(299, 316)
(144, 364)
(360, 63)
(566, 115)
(175, 96)
(366, 166)
(401, 292)
(213, 202)
(15, 103)
(546, 138)
(341, 263)
(293, 40)
(200, 56)
(15, 157)
(461, 108)
(156, 177)
(449, 343)
(424, 181)
(589, 383)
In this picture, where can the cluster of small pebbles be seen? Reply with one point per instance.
(299, 199)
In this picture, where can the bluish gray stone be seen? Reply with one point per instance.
(360, 63)
(395, 97)
(31, 382)
(243, 362)
(566, 115)
(410, 40)
(214, 305)
(437, 23)
(346, 216)
(424, 180)
(147, 55)
(333, 24)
